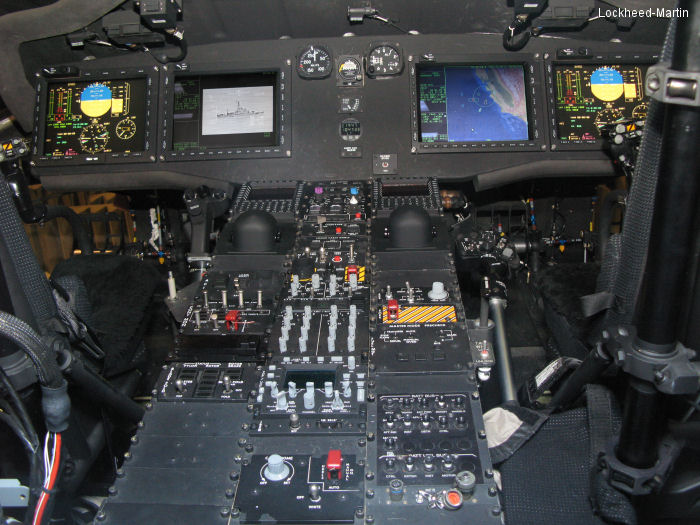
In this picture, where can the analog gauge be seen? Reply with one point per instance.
(384, 60)
(94, 137)
(349, 69)
(607, 116)
(126, 129)
(350, 104)
(314, 62)
(350, 129)
(640, 112)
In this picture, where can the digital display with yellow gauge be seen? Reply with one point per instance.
(588, 96)
(90, 117)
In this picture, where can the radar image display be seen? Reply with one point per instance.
(472, 103)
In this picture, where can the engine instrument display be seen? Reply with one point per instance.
(588, 96)
(472, 103)
(225, 111)
(89, 117)
(384, 60)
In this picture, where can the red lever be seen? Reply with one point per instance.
(334, 464)
(233, 316)
(392, 309)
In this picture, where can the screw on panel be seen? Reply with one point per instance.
(229, 493)
(101, 516)
(482, 434)
(369, 475)
(370, 519)
(496, 511)
(493, 491)
(112, 490)
(235, 512)
(224, 512)
(369, 493)
(359, 512)
(488, 473)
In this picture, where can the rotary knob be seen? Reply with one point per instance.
(276, 469)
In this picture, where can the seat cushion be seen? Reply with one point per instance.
(120, 289)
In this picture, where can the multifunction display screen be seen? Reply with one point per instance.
(472, 103)
(588, 96)
(225, 111)
(88, 117)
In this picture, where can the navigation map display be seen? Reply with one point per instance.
(224, 111)
(472, 103)
(588, 96)
(88, 117)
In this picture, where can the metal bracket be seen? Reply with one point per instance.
(671, 373)
(13, 494)
(673, 87)
(636, 481)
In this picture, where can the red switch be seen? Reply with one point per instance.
(392, 310)
(352, 269)
(334, 464)
(358, 215)
(233, 316)
(337, 259)
(338, 230)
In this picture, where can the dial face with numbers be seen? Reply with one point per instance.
(314, 62)
(384, 60)
(94, 137)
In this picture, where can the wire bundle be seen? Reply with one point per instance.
(52, 462)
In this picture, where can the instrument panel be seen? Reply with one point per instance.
(584, 96)
(95, 118)
(344, 103)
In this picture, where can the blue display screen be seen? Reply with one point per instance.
(472, 103)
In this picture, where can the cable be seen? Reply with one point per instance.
(517, 34)
(52, 462)
(19, 407)
(35, 471)
(178, 36)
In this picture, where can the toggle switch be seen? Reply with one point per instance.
(310, 396)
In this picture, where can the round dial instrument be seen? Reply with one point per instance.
(349, 69)
(384, 60)
(125, 129)
(607, 116)
(314, 62)
(94, 137)
(640, 111)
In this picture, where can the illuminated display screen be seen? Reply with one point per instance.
(472, 103)
(587, 96)
(225, 111)
(88, 117)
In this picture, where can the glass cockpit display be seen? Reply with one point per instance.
(225, 111)
(472, 103)
(91, 117)
(588, 96)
